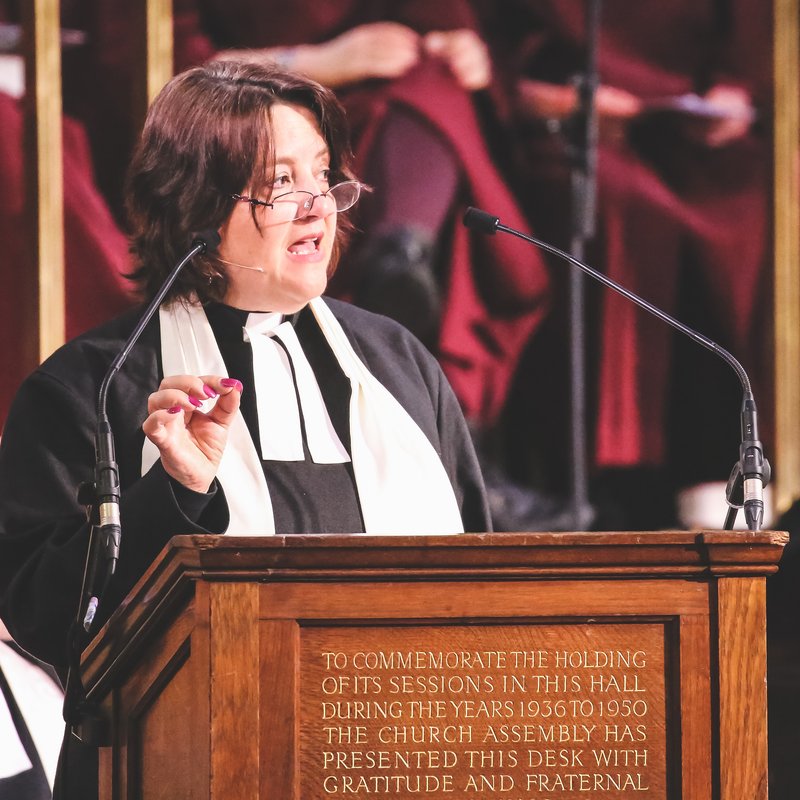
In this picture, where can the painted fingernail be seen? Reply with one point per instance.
(233, 383)
(174, 410)
(195, 402)
(209, 392)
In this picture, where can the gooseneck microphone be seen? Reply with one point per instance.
(102, 496)
(106, 471)
(752, 471)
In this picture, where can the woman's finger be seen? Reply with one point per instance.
(189, 391)
(165, 424)
(227, 402)
(166, 398)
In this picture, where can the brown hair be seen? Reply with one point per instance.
(204, 139)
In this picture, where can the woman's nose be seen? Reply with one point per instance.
(319, 205)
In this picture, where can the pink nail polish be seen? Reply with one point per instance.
(232, 382)
(209, 392)
(174, 410)
(195, 402)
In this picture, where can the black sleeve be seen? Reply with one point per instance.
(47, 450)
(458, 455)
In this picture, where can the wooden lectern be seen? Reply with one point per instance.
(507, 666)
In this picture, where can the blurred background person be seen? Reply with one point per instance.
(682, 220)
(96, 250)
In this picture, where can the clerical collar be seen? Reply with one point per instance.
(228, 321)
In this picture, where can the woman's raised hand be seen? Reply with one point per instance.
(190, 441)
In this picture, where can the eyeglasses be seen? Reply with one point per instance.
(297, 205)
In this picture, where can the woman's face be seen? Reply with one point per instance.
(294, 255)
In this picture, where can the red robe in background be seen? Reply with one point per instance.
(496, 287)
(668, 208)
(96, 252)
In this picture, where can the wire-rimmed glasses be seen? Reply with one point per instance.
(297, 205)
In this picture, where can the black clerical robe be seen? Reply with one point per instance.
(47, 450)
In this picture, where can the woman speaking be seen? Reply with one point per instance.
(250, 405)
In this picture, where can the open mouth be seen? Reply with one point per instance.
(305, 246)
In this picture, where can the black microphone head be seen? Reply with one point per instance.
(480, 220)
(209, 238)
